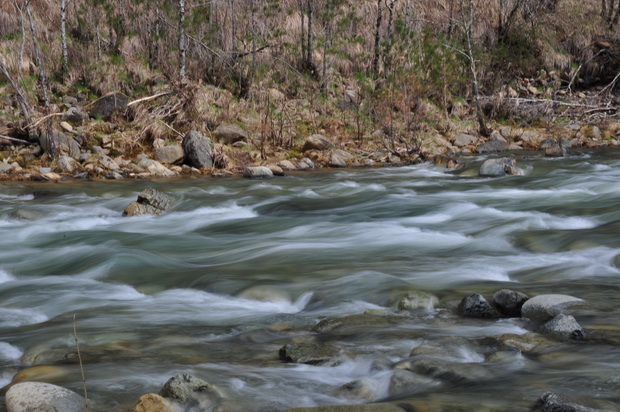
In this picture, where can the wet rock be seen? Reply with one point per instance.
(557, 151)
(191, 391)
(509, 302)
(276, 170)
(354, 323)
(492, 146)
(106, 106)
(23, 214)
(42, 397)
(310, 353)
(198, 150)
(542, 308)
(172, 154)
(359, 389)
(550, 402)
(447, 371)
(525, 343)
(63, 144)
(417, 300)
(230, 134)
(316, 142)
(548, 144)
(152, 402)
(66, 164)
(257, 172)
(150, 202)
(500, 167)
(335, 160)
(464, 139)
(308, 163)
(564, 327)
(476, 306)
(404, 381)
(264, 293)
(454, 348)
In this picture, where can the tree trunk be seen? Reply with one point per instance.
(310, 34)
(63, 36)
(377, 50)
(617, 15)
(610, 10)
(253, 16)
(233, 25)
(303, 32)
(390, 34)
(326, 43)
(450, 20)
(23, 104)
(22, 43)
(182, 41)
(603, 8)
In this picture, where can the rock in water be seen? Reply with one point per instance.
(509, 302)
(550, 402)
(191, 391)
(564, 327)
(198, 150)
(150, 202)
(310, 353)
(42, 397)
(542, 308)
(151, 402)
(476, 306)
(500, 167)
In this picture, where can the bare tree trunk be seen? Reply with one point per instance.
(253, 16)
(182, 41)
(617, 15)
(377, 50)
(451, 20)
(63, 36)
(603, 8)
(233, 25)
(390, 34)
(610, 10)
(408, 14)
(468, 22)
(310, 34)
(22, 43)
(23, 104)
(326, 43)
(303, 32)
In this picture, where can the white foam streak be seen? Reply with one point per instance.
(9, 352)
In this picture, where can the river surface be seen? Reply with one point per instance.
(239, 268)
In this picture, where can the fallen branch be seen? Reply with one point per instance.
(38, 122)
(171, 128)
(146, 99)
(12, 139)
(602, 109)
(558, 102)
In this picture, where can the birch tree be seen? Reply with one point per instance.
(182, 41)
(63, 36)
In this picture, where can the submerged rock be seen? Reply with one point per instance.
(43, 397)
(476, 306)
(542, 308)
(550, 402)
(448, 371)
(191, 391)
(564, 327)
(417, 300)
(509, 302)
(369, 407)
(404, 381)
(150, 202)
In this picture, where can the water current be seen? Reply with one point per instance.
(239, 268)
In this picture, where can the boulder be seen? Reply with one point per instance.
(542, 308)
(155, 168)
(500, 167)
(308, 163)
(172, 154)
(192, 392)
(316, 142)
(362, 389)
(257, 172)
(509, 302)
(417, 300)
(198, 150)
(476, 306)
(106, 106)
(66, 164)
(152, 402)
(150, 202)
(563, 327)
(447, 371)
(287, 165)
(106, 162)
(556, 151)
(550, 402)
(230, 134)
(548, 143)
(42, 397)
(75, 115)
(63, 144)
(276, 170)
(492, 146)
(5, 167)
(310, 353)
(464, 139)
(338, 158)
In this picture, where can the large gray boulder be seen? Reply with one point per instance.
(230, 134)
(63, 144)
(563, 327)
(150, 202)
(310, 353)
(66, 164)
(476, 306)
(509, 302)
(192, 392)
(42, 397)
(316, 142)
(492, 146)
(542, 308)
(464, 139)
(198, 150)
(106, 106)
(500, 167)
(257, 172)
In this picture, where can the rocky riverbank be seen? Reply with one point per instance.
(448, 362)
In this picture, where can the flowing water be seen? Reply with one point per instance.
(239, 268)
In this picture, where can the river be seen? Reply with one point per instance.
(239, 268)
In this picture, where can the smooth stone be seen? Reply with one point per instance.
(191, 391)
(447, 371)
(359, 389)
(108, 105)
(310, 353)
(276, 170)
(152, 402)
(404, 381)
(66, 127)
(492, 146)
(287, 165)
(257, 172)
(564, 327)
(509, 302)
(172, 154)
(5, 167)
(66, 164)
(155, 168)
(316, 142)
(525, 343)
(63, 144)
(542, 308)
(500, 167)
(476, 306)
(42, 397)
(230, 134)
(150, 202)
(550, 402)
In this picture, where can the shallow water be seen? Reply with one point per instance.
(157, 296)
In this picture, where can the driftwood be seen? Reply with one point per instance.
(146, 99)
(41, 120)
(12, 139)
